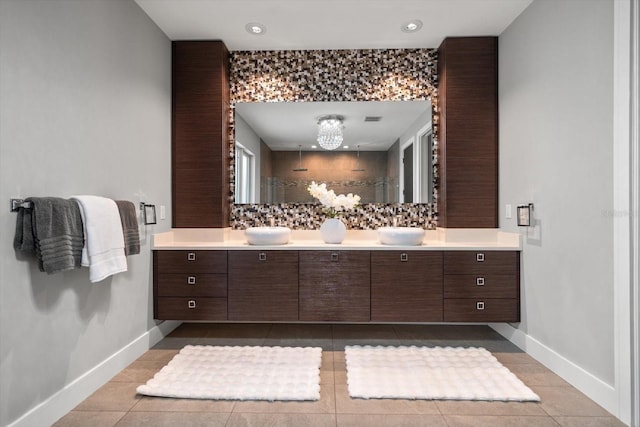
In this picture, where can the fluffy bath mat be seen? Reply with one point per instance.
(239, 373)
(431, 373)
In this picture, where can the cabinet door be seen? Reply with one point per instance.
(335, 286)
(263, 285)
(406, 286)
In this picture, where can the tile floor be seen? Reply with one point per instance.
(117, 404)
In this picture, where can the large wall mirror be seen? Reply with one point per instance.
(386, 153)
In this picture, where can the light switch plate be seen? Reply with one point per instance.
(163, 213)
(507, 211)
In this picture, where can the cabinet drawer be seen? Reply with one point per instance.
(185, 308)
(481, 310)
(191, 261)
(199, 285)
(481, 286)
(481, 262)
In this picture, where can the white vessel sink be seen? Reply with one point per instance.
(401, 236)
(267, 235)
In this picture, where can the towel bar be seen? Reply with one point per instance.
(20, 203)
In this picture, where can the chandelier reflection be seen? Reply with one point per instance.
(330, 132)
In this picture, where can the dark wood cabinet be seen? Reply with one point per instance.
(263, 285)
(468, 132)
(200, 125)
(335, 286)
(482, 286)
(406, 286)
(190, 285)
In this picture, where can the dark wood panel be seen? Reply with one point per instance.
(335, 286)
(481, 286)
(494, 262)
(191, 261)
(406, 288)
(494, 310)
(191, 308)
(183, 285)
(263, 289)
(468, 100)
(200, 122)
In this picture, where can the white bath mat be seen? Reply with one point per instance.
(239, 373)
(431, 373)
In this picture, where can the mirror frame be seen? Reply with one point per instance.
(333, 75)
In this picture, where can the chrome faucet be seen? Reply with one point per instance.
(272, 221)
(396, 220)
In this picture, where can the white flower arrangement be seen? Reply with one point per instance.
(332, 202)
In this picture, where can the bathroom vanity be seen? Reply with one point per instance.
(222, 278)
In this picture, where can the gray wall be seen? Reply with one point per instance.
(85, 109)
(556, 147)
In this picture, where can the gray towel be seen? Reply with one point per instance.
(52, 229)
(130, 231)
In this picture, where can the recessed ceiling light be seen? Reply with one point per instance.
(255, 28)
(411, 26)
(345, 146)
(314, 146)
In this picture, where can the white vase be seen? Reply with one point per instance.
(333, 230)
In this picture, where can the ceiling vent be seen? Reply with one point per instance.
(372, 118)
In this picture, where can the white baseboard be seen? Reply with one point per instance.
(597, 390)
(52, 409)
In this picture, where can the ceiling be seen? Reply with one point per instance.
(330, 24)
(287, 125)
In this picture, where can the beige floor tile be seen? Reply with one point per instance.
(327, 361)
(139, 371)
(327, 379)
(532, 374)
(300, 331)
(348, 405)
(567, 401)
(465, 407)
(508, 359)
(326, 405)
(281, 420)
(499, 421)
(364, 332)
(589, 422)
(159, 355)
(173, 419)
(386, 420)
(165, 404)
(89, 418)
(113, 396)
(340, 377)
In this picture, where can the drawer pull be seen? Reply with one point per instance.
(480, 305)
(404, 257)
(191, 256)
(191, 304)
(334, 256)
(262, 256)
(479, 281)
(480, 257)
(191, 280)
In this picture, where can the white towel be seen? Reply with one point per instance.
(103, 250)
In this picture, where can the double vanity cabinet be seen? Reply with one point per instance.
(337, 285)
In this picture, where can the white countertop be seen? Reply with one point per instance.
(440, 239)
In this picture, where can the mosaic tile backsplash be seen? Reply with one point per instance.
(334, 75)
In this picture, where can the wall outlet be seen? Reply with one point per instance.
(507, 211)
